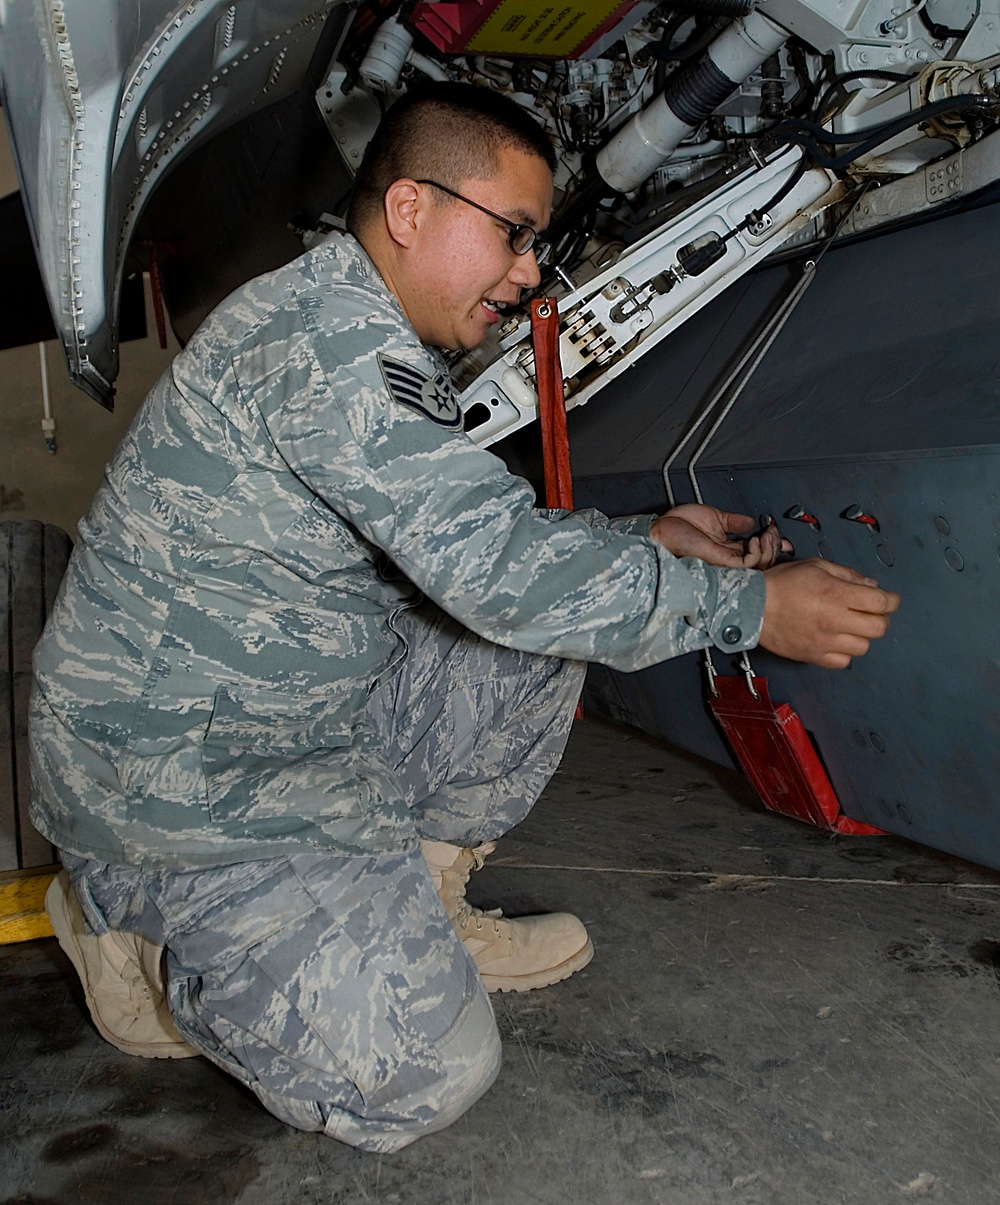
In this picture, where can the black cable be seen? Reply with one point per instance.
(953, 104)
(941, 33)
(673, 28)
(802, 101)
(568, 246)
(848, 76)
(882, 133)
(696, 43)
(730, 9)
(756, 214)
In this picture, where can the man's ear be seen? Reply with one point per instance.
(403, 205)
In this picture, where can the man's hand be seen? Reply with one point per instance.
(704, 532)
(823, 613)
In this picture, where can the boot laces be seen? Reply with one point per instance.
(139, 990)
(464, 915)
(467, 915)
(143, 995)
(480, 853)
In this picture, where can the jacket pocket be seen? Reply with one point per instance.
(271, 755)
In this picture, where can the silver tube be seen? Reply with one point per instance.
(650, 138)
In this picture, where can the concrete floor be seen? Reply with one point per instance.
(774, 1016)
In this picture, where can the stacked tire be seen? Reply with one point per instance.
(33, 560)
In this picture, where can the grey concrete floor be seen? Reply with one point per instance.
(774, 1016)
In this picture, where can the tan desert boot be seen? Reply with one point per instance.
(512, 955)
(121, 977)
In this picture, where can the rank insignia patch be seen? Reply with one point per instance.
(432, 396)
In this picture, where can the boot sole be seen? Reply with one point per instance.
(525, 983)
(59, 908)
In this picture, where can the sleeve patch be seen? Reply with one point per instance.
(433, 396)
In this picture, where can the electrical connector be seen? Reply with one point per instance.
(699, 255)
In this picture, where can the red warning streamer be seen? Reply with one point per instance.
(551, 403)
(771, 744)
(552, 409)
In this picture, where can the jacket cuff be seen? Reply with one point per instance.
(632, 525)
(734, 609)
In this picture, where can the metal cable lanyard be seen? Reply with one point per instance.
(737, 381)
(768, 740)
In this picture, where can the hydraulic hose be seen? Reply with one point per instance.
(678, 54)
(721, 8)
(807, 133)
(896, 77)
(691, 95)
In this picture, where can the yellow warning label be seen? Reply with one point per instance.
(534, 27)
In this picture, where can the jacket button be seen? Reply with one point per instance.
(732, 634)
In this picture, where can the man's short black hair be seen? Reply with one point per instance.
(446, 132)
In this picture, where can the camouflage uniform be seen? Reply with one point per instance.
(241, 682)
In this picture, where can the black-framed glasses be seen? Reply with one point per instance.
(522, 239)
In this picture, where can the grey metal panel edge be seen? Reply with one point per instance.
(103, 97)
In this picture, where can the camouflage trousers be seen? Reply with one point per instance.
(335, 987)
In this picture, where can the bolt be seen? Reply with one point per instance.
(798, 512)
(857, 515)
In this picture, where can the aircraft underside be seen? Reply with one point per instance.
(775, 267)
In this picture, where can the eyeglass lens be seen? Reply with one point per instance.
(524, 239)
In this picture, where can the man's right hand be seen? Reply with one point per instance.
(823, 613)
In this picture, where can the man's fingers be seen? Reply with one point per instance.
(854, 646)
(725, 556)
(891, 601)
(737, 524)
(871, 599)
(865, 625)
(820, 612)
(684, 538)
(841, 571)
(834, 661)
(848, 647)
(868, 597)
(763, 550)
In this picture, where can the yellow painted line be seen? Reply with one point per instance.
(22, 904)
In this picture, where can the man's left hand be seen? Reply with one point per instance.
(718, 537)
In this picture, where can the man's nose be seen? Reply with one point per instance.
(524, 271)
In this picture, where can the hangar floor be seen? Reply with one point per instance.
(773, 1016)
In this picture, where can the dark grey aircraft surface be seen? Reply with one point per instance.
(808, 187)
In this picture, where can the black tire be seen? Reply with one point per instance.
(33, 559)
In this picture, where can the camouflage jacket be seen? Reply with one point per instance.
(295, 478)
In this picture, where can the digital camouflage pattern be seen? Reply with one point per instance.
(336, 989)
(290, 487)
